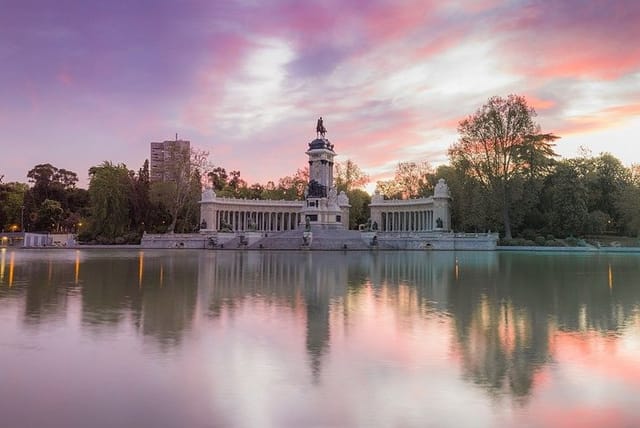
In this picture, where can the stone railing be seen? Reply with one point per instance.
(256, 202)
(401, 202)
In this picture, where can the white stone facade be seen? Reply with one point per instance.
(413, 215)
(239, 215)
(322, 206)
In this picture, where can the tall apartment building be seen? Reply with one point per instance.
(163, 157)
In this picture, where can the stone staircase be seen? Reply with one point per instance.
(323, 239)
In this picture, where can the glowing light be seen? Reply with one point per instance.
(77, 267)
(161, 274)
(457, 270)
(3, 254)
(610, 277)
(140, 268)
(11, 269)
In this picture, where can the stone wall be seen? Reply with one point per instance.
(438, 241)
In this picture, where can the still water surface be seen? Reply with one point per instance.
(118, 338)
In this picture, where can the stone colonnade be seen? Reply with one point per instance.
(413, 215)
(406, 221)
(239, 215)
(251, 219)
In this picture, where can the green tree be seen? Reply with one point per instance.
(49, 216)
(140, 201)
(498, 144)
(218, 178)
(470, 207)
(12, 197)
(359, 212)
(611, 178)
(566, 201)
(109, 192)
(628, 205)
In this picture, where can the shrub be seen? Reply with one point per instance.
(132, 238)
(529, 234)
(571, 241)
(102, 240)
(554, 243)
(539, 240)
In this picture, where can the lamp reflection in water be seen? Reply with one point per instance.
(3, 255)
(140, 267)
(610, 278)
(77, 267)
(11, 257)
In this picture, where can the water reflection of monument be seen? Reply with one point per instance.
(505, 310)
(314, 282)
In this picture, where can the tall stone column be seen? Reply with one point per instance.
(441, 203)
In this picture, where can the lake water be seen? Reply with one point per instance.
(128, 338)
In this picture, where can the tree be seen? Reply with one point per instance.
(359, 212)
(349, 176)
(54, 184)
(628, 204)
(50, 215)
(411, 180)
(140, 202)
(187, 167)
(610, 179)
(292, 188)
(566, 201)
(499, 143)
(218, 178)
(109, 192)
(11, 202)
(469, 205)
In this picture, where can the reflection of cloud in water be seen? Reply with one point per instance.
(344, 339)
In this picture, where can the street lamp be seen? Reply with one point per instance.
(22, 219)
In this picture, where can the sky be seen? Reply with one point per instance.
(84, 81)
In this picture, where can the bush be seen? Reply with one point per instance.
(529, 234)
(539, 240)
(554, 243)
(102, 240)
(85, 236)
(517, 242)
(119, 240)
(132, 238)
(571, 241)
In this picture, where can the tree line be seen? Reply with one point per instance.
(503, 174)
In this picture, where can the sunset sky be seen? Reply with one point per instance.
(83, 81)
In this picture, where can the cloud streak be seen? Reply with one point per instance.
(89, 81)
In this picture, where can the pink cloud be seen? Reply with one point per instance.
(573, 39)
(606, 118)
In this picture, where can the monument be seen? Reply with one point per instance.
(321, 220)
(323, 206)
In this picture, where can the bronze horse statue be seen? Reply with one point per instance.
(320, 129)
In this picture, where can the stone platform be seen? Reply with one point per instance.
(325, 239)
